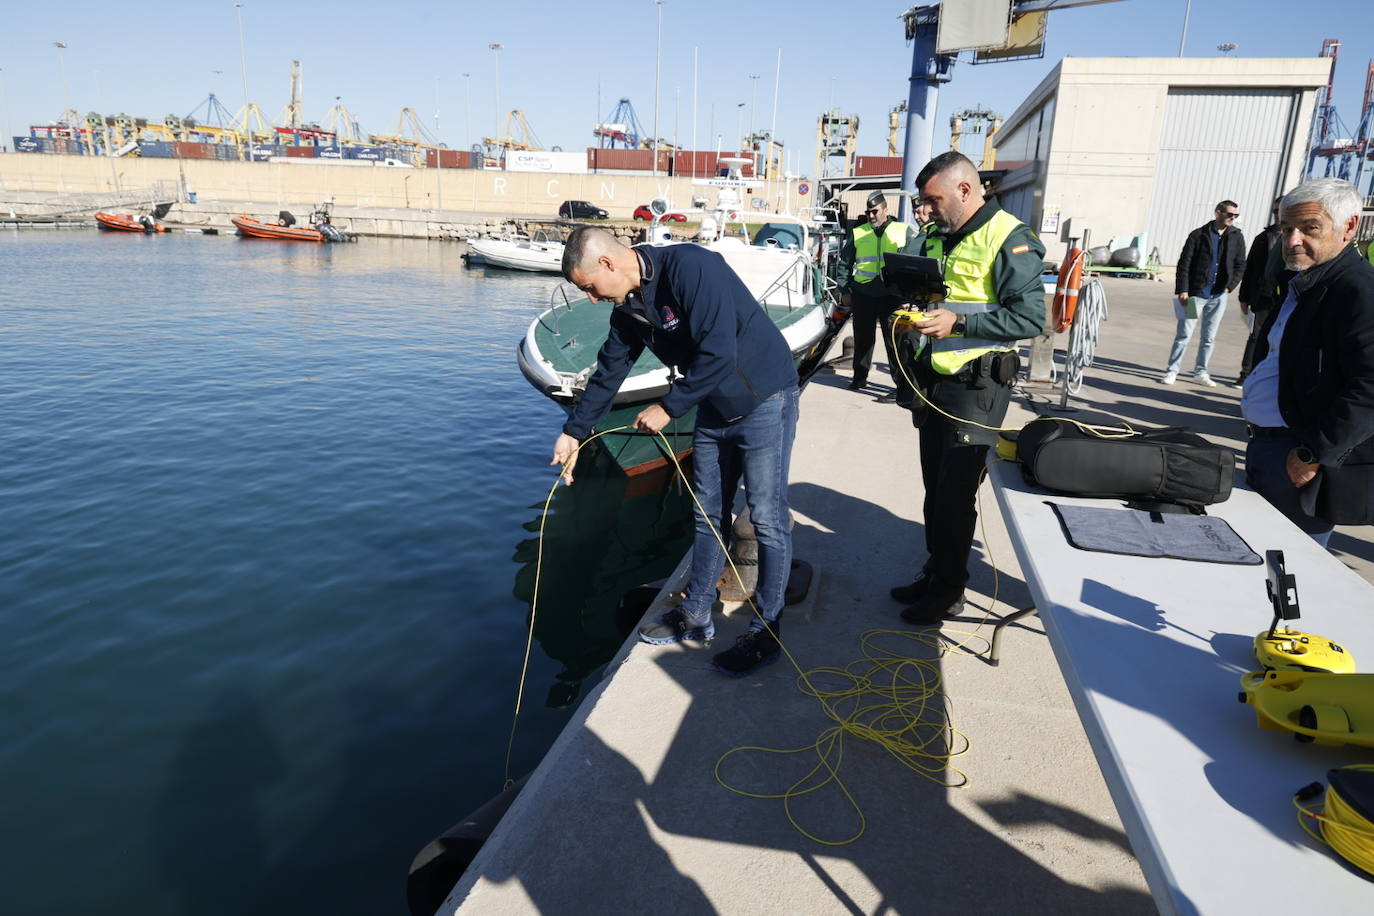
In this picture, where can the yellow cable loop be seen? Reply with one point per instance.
(1342, 828)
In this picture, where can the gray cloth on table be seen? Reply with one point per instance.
(1151, 534)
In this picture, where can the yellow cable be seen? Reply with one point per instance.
(1342, 827)
(1102, 432)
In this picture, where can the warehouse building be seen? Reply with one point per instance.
(1125, 146)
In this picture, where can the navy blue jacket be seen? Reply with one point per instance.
(695, 314)
(1326, 383)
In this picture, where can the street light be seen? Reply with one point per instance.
(467, 107)
(436, 108)
(658, 57)
(753, 100)
(243, 69)
(739, 124)
(62, 67)
(496, 131)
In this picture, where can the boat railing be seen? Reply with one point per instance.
(784, 283)
(561, 297)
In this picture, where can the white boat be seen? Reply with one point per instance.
(538, 253)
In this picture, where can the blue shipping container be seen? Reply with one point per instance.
(226, 151)
(328, 152)
(155, 149)
(369, 153)
(27, 145)
(263, 153)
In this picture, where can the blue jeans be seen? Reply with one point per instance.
(1267, 474)
(1211, 312)
(760, 447)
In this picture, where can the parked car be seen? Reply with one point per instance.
(581, 209)
(643, 212)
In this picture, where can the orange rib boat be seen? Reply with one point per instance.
(126, 222)
(251, 228)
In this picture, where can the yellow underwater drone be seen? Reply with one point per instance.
(1307, 687)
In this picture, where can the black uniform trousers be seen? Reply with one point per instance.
(870, 315)
(953, 461)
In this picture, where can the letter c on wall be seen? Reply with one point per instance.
(552, 187)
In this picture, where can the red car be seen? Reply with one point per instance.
(643, 212)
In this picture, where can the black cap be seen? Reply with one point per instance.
(877, 197)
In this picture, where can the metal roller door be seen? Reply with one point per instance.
(1219, 144)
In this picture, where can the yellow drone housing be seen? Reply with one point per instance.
(905, 319)
(1290, 649)
(1313, 706)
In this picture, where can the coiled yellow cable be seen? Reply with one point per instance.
(1341, 826)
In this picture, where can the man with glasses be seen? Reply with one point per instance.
(1211, 265)
(866, 293)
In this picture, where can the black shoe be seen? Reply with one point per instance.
(856, 383)
(934, 608)
(752, 651)
(910, 594)
(889, 398)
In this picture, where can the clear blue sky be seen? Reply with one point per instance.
(566, 63)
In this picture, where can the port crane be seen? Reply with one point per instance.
(1342, 152)
(621, 129)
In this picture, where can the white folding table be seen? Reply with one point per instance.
(1152, 651)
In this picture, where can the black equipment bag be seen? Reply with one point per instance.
(1153, 469)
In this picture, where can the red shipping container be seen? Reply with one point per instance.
(639, 160)
(877, 165)
(194, 150)
(300, 152)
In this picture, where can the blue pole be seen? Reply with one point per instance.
(928, 71)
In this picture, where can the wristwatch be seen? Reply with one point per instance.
(1304, 454)
(960, 325)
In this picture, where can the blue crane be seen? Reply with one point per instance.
(621, 129)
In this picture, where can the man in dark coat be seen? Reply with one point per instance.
(1309, 402)
(1210, 266)
(1259, 286)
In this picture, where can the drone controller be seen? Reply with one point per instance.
(919, 279)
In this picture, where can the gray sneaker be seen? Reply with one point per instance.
(674, 627)
(1202, 378)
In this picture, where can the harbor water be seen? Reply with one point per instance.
(270, 518)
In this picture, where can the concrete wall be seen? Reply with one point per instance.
(39, 180)
(1100, 166)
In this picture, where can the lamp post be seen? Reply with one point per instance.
(4, 112)
(467, 107)
(658, 57)
(436, 108)
(243, 69)
(739, 124)
(496, 129)
(753, 100)
(62, 68)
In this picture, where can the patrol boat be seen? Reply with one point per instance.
(558, 352)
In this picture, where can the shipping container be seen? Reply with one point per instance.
(620, 159)
(263, 153)
(59, 145)
(447, 158)
(366, 153)
(32, 145)
(186, 150)
(155, 149)
(227, 152)
(300, 152)
(877, 165)
(328, 152)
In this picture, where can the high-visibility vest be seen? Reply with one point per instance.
(869, 248)
(972, 291)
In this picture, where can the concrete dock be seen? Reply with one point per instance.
(625, 813)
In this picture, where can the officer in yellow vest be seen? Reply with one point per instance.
(992, 266)
(869, 297)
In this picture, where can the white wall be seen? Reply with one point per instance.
(1103, 160)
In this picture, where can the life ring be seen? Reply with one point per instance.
(1066, 290)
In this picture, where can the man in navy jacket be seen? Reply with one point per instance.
(1210, 266)
(686, 305)
(1309, 401)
